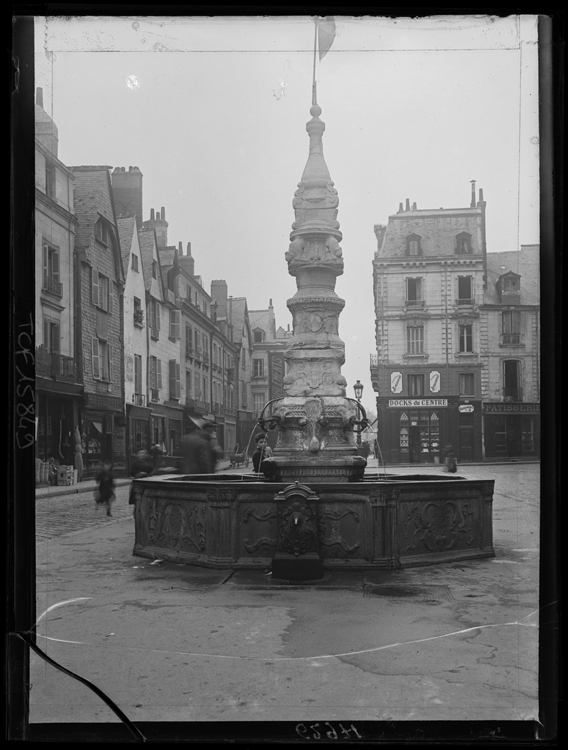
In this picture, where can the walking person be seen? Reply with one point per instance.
(141, 467)
(198, 454)
(104, 494)
(451, 461)
(263, 450)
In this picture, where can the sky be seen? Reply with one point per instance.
(213, 112)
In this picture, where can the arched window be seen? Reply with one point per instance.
(463, 244)
(413, 244)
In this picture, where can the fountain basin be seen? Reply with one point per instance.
(231, 521)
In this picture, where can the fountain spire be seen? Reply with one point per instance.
(315, 419)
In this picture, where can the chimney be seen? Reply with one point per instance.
(480, 201)
(380, 230)
(472, 205)
(151, 214)
(180, 248)
(407, 205)
(219, 293)
(400, 209)
(160, 225)
(186, 261)
(127, 192)
(414, 206)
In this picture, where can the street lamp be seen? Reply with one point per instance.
(358, 388)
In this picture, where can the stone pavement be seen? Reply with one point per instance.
(170, 642)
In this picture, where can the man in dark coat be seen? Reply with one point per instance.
(198, 455)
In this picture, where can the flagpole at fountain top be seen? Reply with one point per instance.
(324, 34)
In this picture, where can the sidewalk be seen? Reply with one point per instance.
(172, 642)
(89, 485)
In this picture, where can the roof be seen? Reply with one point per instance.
(147, 241)
(238, 312)
(92, 198)
(526, 263)
(126, 226)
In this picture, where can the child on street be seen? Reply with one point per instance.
(104, 494)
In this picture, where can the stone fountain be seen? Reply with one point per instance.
(314, 507)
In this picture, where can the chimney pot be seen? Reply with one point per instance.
(407, 204)
(180, 248)
(151, 214)
(189, 248)
(414, 206)
(163, 214)
(399, 207)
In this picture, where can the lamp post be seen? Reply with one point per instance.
(358, 388)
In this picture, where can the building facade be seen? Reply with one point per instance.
(510, 347)
(99, 320)
(268, 364)
(59, 388)
(429, 278)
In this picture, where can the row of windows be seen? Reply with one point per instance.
(416, 384)
(415, 339)
(462, 245)
(415, 289)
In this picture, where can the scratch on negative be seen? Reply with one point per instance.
(519, 623)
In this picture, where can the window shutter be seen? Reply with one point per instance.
(55, 265)
(152, 372)
(95, 286)
(111, 297)
(95, 357)
(157, 314)
(158, 373)
(178, 380)
(55, 341)
(109, 347)
(172, 378)
(45, 268)
(175, 324)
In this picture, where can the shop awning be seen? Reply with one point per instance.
(137, 412)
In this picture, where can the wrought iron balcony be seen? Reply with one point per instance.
(55, 365)
(52, 286)
(511, 339)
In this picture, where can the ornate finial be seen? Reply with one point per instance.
(315, 110)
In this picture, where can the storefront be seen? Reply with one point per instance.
(57, 414)
(511, 430)
(417, 430)
(138, 429)
(103, 434)
(166, 427)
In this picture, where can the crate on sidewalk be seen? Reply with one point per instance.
(65, 475)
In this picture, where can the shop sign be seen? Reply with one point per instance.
(465, 408)
(434, 381)
(419, 402)
(507, 408)
(396, 382)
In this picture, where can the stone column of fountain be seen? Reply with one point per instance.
(315, 420)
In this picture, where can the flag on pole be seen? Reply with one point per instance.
(326, 34)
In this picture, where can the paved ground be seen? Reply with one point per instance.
(174, 643)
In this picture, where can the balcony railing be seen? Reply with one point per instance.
(414, 303)
(55, 365)
(52, 286)
(464, 301)
(513, 394)
(139, 399)
(374, 360)
(511, 339)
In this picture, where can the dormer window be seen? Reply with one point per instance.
(413, 246)
(509, 288)
(258, 336)
(103, 233)
(463, 244)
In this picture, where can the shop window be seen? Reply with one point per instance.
(465, 338)
(413, 245)
(527, 434)
(467, 384)
(463, 243)
(416, 385)
(415, 340)
(500, 435)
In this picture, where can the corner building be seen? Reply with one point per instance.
(429, 279)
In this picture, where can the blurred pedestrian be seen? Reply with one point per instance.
(451, 461)
(156, 452)
(198, 454)
(263, 450)
(141, 467)
(104, 494)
